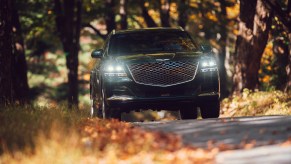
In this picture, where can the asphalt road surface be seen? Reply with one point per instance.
(256, 139)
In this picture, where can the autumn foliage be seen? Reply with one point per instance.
(53, 135)
(257, 103)
(56, 136)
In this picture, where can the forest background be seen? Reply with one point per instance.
(46, 45)
(45, 63)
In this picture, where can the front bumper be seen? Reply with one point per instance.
(124, 93)
(158, 103)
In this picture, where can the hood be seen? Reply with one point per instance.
(157, 57)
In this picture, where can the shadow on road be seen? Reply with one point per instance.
(255, 131)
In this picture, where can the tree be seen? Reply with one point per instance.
(183, 15)
(211, 25)
(110, 15)
(123, 14)
(6, 53)
(68, 22)
(145, 14)
(107, 11)
(19, 75)
(165, 12)
(285, 17)
(254, 25)
(223, 50)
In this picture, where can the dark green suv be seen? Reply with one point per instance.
(154, 68)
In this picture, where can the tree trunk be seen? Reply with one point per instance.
(183, 17)
(254, 25)
(288, 68)
(165, 12)
(123, 14)
(6, 52)
(20, 82)
(68, 21)
(110, 15)
(280, 50)
(223, 40)
(285, 18)
(148, 19)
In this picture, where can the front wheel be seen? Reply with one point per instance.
(94, 104)
(210, 109)
(188, 112)
(115, 113)
(93, 108)
(108, 112)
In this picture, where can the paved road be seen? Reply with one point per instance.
(254, 133)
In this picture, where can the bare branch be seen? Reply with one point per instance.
(95, 30)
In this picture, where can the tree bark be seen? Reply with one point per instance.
(6, 53)
(223, 40)
(285, 18)
(148, 19)
(288, 68)
(254, 25)
(165, 12)
(19, 75)
(110, 15)
(182, 9)
(68, 21)
(280, 50)
(123, 14)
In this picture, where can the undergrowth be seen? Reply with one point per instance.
(54, 135)
(257, 103)
(31, 134)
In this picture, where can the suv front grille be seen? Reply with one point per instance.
(164, 73)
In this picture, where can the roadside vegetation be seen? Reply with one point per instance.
(54, 135)
(257, 103)
(34, 45)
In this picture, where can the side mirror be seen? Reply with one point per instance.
(206, 48)
(97, 53)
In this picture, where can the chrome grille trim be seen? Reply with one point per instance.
(163, 74)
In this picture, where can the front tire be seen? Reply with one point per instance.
(210, 109)
(108, 112)
(188, 112)
(93, 108)
(115, 113)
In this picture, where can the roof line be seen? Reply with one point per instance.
(148, 28)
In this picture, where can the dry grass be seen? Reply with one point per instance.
(257, 104)
(53, 135)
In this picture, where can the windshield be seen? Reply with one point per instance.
(151, 42)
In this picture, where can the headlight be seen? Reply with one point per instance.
(114, 70)
(210, 63)
(109, 68)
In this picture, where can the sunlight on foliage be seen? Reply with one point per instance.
(173, 11)
(211, 16)
(233, 11)
(58, 136)
(266, 72)
(257, 103)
